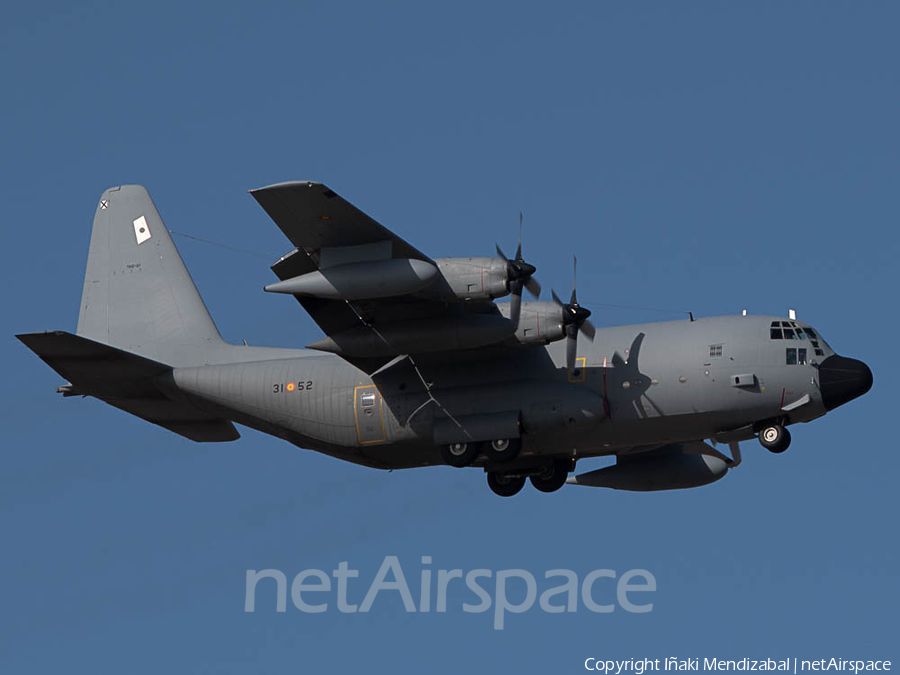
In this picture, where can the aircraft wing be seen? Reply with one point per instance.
(314, 217)
(327, 230)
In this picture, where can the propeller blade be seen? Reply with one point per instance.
(519, 247)
(588, 329)
(571, 351)
(574, 299)
(500, 253)
(533, 286)
(556, 298)
(515, 304)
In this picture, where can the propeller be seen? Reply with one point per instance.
(575, 319)
(519, 274)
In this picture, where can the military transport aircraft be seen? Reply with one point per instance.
(419, 366)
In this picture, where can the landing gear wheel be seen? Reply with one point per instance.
(775, 438)
(460, 454)
(504, 449)
(505, 485)
(553, 476)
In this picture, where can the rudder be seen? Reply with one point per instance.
(138, 295)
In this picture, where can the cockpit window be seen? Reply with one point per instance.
(791, 330)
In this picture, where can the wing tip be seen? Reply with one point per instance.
(286, 185)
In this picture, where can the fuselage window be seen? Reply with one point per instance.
(791, 356)
(801, 357)
(367, 400)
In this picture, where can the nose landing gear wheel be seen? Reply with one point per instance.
(460, 454)
(775, 438)
(503, 485)
(552, 478)
(504, 449)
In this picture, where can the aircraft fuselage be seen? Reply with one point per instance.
(637, 387)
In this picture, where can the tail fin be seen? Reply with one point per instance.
(138, 295)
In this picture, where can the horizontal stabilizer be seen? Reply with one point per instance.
(126, 381)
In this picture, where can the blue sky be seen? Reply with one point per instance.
(697, 156)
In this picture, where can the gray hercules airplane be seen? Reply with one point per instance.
(420, 367)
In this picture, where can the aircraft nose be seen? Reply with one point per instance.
(842, 379)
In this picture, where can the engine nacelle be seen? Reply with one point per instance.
(361, 280)
(675, 470)
(540, 323)
(473, 278)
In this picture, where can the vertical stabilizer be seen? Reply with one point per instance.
(138, 295)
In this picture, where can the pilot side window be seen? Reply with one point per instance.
(796, 357)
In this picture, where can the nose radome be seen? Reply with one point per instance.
(842, 379)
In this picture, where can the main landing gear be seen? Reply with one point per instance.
(463, 454)
(774, 438)
(460, 454)
(548, 478)
(552, 476)
(504, 484)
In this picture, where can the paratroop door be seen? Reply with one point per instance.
(369, 420)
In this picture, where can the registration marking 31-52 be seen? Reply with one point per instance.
(290, 387)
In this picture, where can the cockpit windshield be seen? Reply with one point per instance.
(791, 330)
